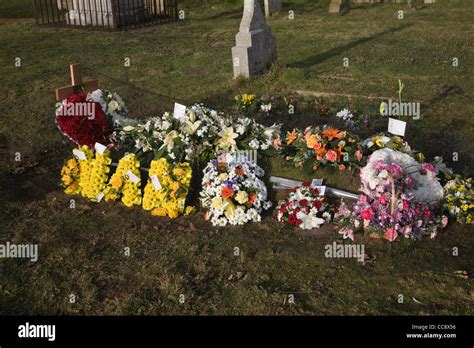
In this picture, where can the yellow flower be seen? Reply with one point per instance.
(116, 182)
(173, 213)
(189, 210)
(159, 212)
(311, 141)
(179, 171)
(242, 197)
(218, 203)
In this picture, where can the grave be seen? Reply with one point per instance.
(339, 6)
(255, 48)
(271, 7)
(105, 14)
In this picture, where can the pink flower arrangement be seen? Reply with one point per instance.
(390, 209)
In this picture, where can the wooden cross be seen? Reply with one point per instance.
(76, 84)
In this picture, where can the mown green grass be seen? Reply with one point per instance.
(82, 249)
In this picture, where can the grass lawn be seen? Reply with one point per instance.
(82, 250)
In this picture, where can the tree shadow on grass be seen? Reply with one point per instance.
(321, 57)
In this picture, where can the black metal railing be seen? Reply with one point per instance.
(105, 14)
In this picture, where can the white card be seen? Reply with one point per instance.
(316, 182)
(179, 111)
(132, 177)
(397, 127)
(99, 197)
(79, 154)
(322, 190)
(156, 182)
(100, 148)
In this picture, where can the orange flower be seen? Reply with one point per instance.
(291, 137)
(239, 171)
(227, 192)
(332, 133)
(252, 198)
(321, 151)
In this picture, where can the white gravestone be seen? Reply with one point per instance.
(255, 48)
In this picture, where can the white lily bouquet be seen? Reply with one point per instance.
(198, 136)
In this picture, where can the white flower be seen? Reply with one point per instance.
(254, 144)
(309, 221)
(113, 105)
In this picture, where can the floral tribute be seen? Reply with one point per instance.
(385, 141)
(125, 182)
(233, 191)
(401, 198)
(94, 180)
(315, 147)
(198, 136)
(167, 188)
(459, 195)
(90, 118)
(305, 208)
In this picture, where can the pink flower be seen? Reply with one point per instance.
(358, 155)
(429, 167)
(444, 221)
(331, 156)
(319, 157)
(356, 223)
(277, 143)
(406, 231)
(315, 168)
(409, 181)
(427, 213)
(367, 214)
(391, 234)
(347, 233)
(383, 199)
(362, 199)
(342, 167)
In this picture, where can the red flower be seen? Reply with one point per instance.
(306, 184)
(317, 204)
(304, 203)
(81, 129)
(316, 191)
(367, 214)
(292, 219)
(283, 208)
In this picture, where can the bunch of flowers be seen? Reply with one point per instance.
(198, 136)
(125, 182)
(420, 178)
(82, 120)
(305, 208)
(401, 198)
(167, 188)
(316, 147)
(387, 141)
(233, 192)
(459, 195)
(70, 177)
(94, 180)
(250, 103)
(112, 105)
